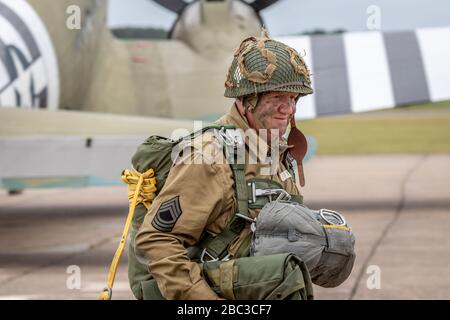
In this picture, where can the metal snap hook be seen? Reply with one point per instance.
(332, 217)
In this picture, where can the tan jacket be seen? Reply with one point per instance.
(207, 202)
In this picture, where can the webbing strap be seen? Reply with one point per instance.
(227, 279)
(204, 129)
(214, 273)
(217, 246)
(241, 188)
(297, 198)
(257, 200)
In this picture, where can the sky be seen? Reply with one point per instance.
(296, 16)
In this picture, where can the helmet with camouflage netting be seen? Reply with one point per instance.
(263, 64)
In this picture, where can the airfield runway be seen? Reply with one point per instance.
(58, 243)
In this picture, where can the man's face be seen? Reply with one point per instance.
(273, 111)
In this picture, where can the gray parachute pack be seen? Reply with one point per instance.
(321, 238)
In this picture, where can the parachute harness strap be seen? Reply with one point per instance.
(141, 189)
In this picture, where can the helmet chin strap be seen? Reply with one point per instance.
(299, 149)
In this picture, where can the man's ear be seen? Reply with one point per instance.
(251, 101)
(240, 105)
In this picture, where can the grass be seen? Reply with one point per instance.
(425, 106)
(414, 129)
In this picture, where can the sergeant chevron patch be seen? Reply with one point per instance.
(167, 215)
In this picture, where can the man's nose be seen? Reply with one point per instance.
(287, 107)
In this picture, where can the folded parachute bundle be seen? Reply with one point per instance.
(322, 239)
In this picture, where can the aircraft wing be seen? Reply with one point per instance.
(48, 62)
(71, 148)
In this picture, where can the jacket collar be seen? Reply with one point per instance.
(234, 117)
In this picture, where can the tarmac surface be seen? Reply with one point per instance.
(59, 243)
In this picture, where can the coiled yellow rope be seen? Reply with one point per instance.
(141, 189)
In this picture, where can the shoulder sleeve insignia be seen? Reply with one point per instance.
(167, 215)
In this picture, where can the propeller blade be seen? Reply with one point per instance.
(259, 5)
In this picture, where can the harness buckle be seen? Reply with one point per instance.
(282, 194)
(243, 216)
(231, 137)
(332, 217)
(205, 252)
(212, 259)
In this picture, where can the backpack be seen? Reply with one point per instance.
(151, 165)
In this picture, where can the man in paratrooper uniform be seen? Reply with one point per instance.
(208, 205)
